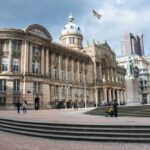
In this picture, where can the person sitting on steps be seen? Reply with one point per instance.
(110, 112)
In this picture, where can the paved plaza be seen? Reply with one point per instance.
(11, 141)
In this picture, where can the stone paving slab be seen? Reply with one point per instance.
(19, 142)
(73, 116)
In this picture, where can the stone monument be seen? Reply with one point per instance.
(132, 83)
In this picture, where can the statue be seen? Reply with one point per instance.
(130, 67)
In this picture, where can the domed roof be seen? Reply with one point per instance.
(70, 27)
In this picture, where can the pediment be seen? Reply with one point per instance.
(38, 30)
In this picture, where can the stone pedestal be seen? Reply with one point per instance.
(132, 94)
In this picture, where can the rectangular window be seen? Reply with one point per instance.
(62, 75)
(15, 65)
(70, 91)
(4, 64)
(2, 85)
(54, 73)
(35, 67)
(2, 101)
(35, 51)
(71, 40)
(16, 85)
(63, 91)
(16, 47)
(37, 86)
(56, 90)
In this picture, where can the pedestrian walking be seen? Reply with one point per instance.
(18, 105)
(24, 107)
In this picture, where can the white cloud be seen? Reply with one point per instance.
(119, 1)
(115, 22)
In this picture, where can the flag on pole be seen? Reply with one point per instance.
(96, 14)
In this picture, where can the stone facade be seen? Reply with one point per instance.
(36, 69)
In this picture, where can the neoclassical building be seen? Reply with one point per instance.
(36, 69)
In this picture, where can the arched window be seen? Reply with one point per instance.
(5, 64)
(16, 65)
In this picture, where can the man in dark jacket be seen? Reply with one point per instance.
(115, 107)
(18, 105)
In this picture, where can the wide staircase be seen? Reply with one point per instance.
(101, 133)
(133, 111)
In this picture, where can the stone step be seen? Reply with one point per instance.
(72, 126)
(107, 133)
(141, 111)
(80, 138)
(79, 133)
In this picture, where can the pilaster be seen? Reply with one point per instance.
(10, 56)
(30, 61)
(47, 61)
(42, 61)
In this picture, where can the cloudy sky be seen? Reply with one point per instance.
(119, 17)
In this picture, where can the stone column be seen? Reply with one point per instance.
(111, 75)
(30, 59)
(59, 67)
(124, 97)
(66, 69)
(95, 73)
(78, 71)
(83, 73)
(10, 56)
(100, 72)
(47, 61)
(52, 64)
(72, 69)
(60, 93)
(121, 96)
(26, 57)
(118, 96)
(105, 94)
(113, 94)
(72, 97)
(42, 61)
(66, 90)
(119, 78)
(109, 94)
(22, 57)
(114, 75)
(108, 75)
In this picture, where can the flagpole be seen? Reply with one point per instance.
(92, 24)
(98, 16)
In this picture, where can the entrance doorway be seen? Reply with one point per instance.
(37, 103)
